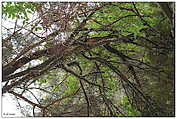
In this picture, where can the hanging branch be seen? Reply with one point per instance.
(119, 73)
(82, 86)
(129, 66)
(86, 98)
(81, 77)
(102, 91)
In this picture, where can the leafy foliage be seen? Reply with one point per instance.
(18, 9)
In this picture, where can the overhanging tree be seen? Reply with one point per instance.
(85, 54)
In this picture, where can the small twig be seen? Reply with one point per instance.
(34, 111)
(33, 95)
(122, 17)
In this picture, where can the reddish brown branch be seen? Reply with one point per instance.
(25, 99)
(60, 99)
(40, 106)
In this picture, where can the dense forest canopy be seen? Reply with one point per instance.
(89, 58)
